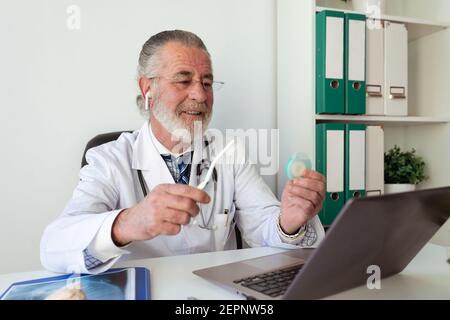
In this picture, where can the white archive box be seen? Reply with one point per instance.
(375, 68)
(395, 69)
(374, 161)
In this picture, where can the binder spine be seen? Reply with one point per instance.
(334, 199)
(329, 91)
(350, 191)
(320, 62)
(355, 87)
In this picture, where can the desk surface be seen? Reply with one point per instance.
(426, 277)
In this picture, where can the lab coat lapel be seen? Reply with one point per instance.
(148, 159)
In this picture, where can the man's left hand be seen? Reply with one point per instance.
(302, 199)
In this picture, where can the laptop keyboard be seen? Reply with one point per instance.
(274, 283)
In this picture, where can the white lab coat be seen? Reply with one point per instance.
(109, 184)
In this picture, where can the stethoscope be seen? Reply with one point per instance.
(202, 167)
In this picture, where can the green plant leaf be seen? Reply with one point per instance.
(403, 167)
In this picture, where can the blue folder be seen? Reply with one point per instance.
(115, 284)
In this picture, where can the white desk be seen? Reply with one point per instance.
(426, 277)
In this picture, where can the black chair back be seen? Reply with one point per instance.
(99, 140)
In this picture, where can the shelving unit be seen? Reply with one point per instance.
(417, 28)
(427, 128)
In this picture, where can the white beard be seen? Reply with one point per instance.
(175, 126)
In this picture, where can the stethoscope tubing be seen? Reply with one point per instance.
(214, 178)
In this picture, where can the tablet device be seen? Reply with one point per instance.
(115, 284)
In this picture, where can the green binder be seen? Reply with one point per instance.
(330, 82)
(355, 161)
(355, 64)
(330, 145)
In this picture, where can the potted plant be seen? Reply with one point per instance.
(403, 171)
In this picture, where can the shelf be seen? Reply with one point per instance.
(382, 120)
(417, 28)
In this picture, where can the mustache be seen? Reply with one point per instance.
(196, 107)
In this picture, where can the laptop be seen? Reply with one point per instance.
(386, 231)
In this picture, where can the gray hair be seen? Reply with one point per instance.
(149, 59)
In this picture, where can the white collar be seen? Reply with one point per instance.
(161, 148)
(147, 158)
(147, 147)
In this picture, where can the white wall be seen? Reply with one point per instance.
(60, 87)
(296, 81)
(437, 10)
(429, 65)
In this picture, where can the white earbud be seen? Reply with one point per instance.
(146, 101)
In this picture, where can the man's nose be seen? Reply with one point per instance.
(197, 92)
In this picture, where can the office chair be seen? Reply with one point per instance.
(111, 136)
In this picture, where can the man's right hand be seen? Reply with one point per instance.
(165, 209)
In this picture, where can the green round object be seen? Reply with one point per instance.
(296, 165)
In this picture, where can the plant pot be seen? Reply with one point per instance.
(370, 6)
(399, 188)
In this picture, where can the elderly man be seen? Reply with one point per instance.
(137, 196)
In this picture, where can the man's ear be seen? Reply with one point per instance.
(144, 85)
